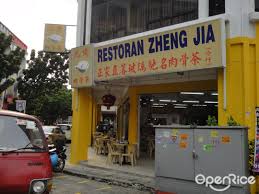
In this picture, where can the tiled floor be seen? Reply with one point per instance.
(145, 166)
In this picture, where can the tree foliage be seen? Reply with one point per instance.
(42, 86)
(57, 105)
(10, 61)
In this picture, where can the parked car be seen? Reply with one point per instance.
(47, 129)
(67, 129)
(24, 158)
(54, 133)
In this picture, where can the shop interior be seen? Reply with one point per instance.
(181, 108)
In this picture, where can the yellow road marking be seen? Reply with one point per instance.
(104, 188)
(83, 182)
(60, 177)
(77, 193)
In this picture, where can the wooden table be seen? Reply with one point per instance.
(120, 147)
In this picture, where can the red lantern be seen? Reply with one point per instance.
(108, 100)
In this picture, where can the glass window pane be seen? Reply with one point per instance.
(18, 133)
(116, 18)
(216, 7)
(256, 5)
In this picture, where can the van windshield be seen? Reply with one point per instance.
(20, 133)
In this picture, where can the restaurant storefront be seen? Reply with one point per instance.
(185, 56)
(141, 55)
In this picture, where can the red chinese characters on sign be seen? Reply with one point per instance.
(100, 72)
(163, 63)
(208, 56)
(173, 62)
(123, 69)
(195, 60)
(81, 80)
(83, 53)
(180, 62)
(107, 71)
(152, 65)
(115, 70)
(142, 67)
(132, 68)
(184, 59)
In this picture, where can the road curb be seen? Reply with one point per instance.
(114, 170)
(126, 184)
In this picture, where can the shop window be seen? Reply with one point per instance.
(108, 20)
(169, 12)
(256, 5)
(216, 7)
(116, 18)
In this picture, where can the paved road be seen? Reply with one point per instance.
(66, 184)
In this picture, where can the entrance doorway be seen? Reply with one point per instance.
(179, 108)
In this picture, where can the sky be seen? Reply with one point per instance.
(27, 18)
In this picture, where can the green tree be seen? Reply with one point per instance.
(43, 82)
(56, 106)
(10, 61)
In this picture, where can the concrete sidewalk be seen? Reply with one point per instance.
(112, 176)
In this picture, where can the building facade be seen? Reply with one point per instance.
(12, 92)
(119, 32)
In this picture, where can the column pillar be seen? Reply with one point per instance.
(203, 8)
(88, 20)
(133, 116)
(241, 84)
(81, 133)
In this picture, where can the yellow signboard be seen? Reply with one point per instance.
(189, 48)
(54, 38)
(80, 67)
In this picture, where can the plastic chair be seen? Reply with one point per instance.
(97, 146)
(131, 154)
(112, 154)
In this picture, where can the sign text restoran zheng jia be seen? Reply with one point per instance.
(165, 42)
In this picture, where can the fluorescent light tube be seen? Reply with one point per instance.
(180, 104)
(211, 102)
(165, 100)
(193, 93)
(199, 105)
(191, 101)
(180, 107)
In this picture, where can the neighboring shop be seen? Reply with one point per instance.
(175, 68)
(6, 97)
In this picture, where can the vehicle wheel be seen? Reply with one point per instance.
(60, 166)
